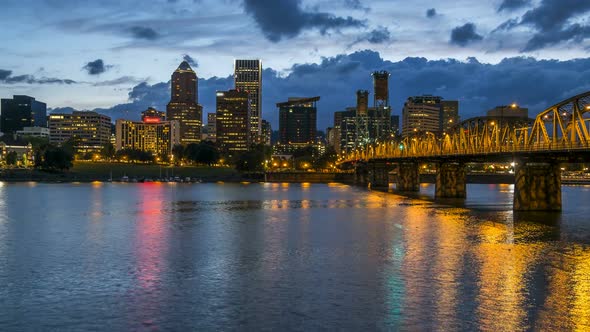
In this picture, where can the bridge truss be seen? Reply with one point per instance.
(562, 127)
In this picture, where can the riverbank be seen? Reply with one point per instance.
(96, 171)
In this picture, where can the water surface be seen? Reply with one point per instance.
(287, 256)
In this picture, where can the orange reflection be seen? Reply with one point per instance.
(150, 236)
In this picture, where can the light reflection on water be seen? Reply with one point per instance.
(279, 256)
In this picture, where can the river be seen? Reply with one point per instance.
(150, 256)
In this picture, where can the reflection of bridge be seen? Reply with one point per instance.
(559, 134)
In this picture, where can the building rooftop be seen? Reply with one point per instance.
(298, 101)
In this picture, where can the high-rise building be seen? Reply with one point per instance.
(450, 114)
(395, 125)
(345, 123)
(184, 104)
(233, 122)
(21, 111)
(152, 134)
(248, 77)
(266, 133)
(89, 130)
(153, 115)
(298, 120)
(211, 128)
(422, 114)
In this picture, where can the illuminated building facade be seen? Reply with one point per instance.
(248, 77)
(152, 134)
(210, 132)
(266, 133)
(510, 111)
(233, 122)
(422, 114)
(298, 121)
(22, 111)
(450, 114)
(183, 106)
(90, 130)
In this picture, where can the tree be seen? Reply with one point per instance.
(108, 151)
(203, 153)
(253, 160)
(327, 159)
(50, 157)
(178, 152)
(11, 158)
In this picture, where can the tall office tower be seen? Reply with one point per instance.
(211, 128)
(22, 111)
(152, 115)
(362, 117)
(248, 77)
(266, 133)
(395, 125)
(90, 130)
(450, 114)
(422, 114)
(347, 133)
(184, 104)
(298, 121)
(233, 122)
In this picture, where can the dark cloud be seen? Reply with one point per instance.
(147, 33)
(119, 81)
(478, 86)
(509, 5)
(190, 61)
(464, 35)
(6, 77)
(96, 67)
(286, 18)
(430, 13)
(379, 36)
(356, 4)
(552, 20)
(4, 74)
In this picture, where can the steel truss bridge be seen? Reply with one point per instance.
(561, 133)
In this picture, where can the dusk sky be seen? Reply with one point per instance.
(117, 56)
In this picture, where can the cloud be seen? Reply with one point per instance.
(379, 36)
(4, 74)
(96, 67)
(510, 5)
(430, 13)
(119, 81)
(7, 78)
(464, 35)
(139, 32)
(190, 61)
(286, 19)
(356, 4)
(552, 20)
(478, 86)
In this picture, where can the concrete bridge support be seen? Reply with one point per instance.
(379, 175)
(361, 175)
(450, 181)
(408, 178)
(537, 187)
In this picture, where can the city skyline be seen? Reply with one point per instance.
(114, 75)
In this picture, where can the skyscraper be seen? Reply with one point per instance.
(248, 77)
(233, 122)
(422, 114)
(298, 120)
(450, 114)
(183, 105)
(20, 112)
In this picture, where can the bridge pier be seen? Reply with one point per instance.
(379, 175)
(408, 177)
(450, 181)
(361, 175)
(537, 187)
